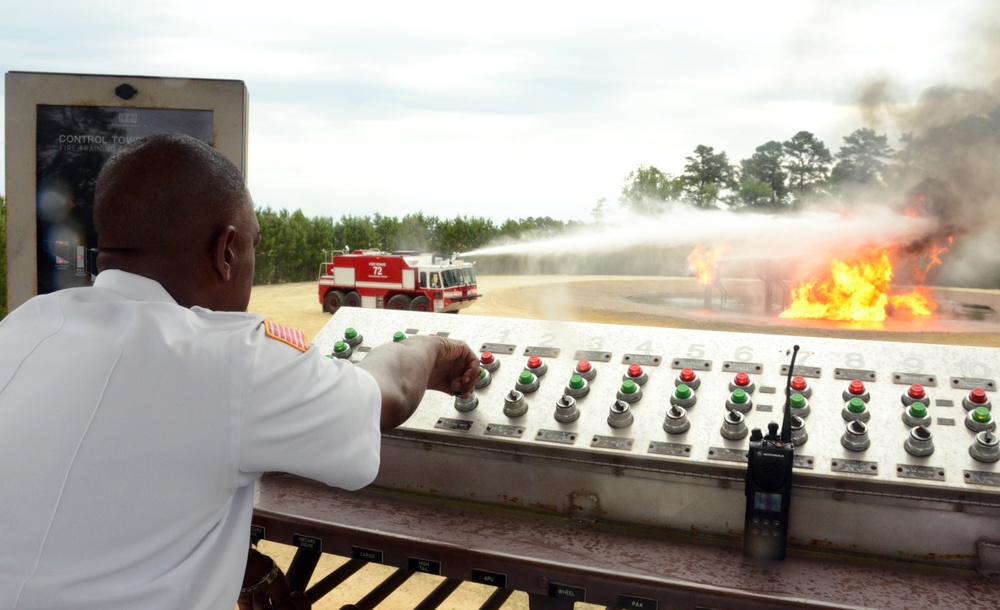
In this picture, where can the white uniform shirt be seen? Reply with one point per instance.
(131, 433)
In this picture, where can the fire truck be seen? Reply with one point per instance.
(396, 280)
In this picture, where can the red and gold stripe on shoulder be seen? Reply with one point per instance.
(292, 337)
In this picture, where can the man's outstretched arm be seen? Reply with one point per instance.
(405, 370)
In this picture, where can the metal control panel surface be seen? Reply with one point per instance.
(630, 444)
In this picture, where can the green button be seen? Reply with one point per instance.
(798, 401)
(482, 373)
(739, 397)
(629, 387)
(981, 415)
(918, 410)
(398, 336)
(339, 346)
(856, 405)
(683, 392)
(350, 333)
(526, 378)
(576, 382)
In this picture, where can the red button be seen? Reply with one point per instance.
(487, 358)
(916, 391)
(978, 396)
(634, 370)
(687, 375)
(742, 379)
(798, 383)
(857, 387)
(534, 362)
(583, 366)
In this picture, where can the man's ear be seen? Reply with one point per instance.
(223, 252)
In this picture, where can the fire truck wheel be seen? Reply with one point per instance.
(400, 301)
(420, 303)
(332, 301)
(352, 299)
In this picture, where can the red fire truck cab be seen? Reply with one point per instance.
(396, 280)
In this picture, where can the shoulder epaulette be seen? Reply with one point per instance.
(292, 337)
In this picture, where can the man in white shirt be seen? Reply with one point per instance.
(136, 415)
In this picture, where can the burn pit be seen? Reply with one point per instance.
(854, 291)
(890, 284)
(744, 300)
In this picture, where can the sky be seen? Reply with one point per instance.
(510, 110)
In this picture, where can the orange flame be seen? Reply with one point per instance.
(856, 290)
(706, 262)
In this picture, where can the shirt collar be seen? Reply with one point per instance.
(132, 286)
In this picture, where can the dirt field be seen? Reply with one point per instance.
(584, 299)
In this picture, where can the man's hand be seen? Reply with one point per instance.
(405, 370)
(456, 368)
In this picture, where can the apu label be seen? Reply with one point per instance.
(484, 577)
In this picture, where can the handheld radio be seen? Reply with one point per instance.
(769, 485)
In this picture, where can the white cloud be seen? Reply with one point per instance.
(513, 110)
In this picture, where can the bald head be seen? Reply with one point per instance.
(155, 191)
(161, 206)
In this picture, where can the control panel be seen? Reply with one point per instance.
(895, 444)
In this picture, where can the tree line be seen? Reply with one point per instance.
(292, 246)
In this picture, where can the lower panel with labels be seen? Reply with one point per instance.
(559, 562)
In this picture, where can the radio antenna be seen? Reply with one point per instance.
(786, 418)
